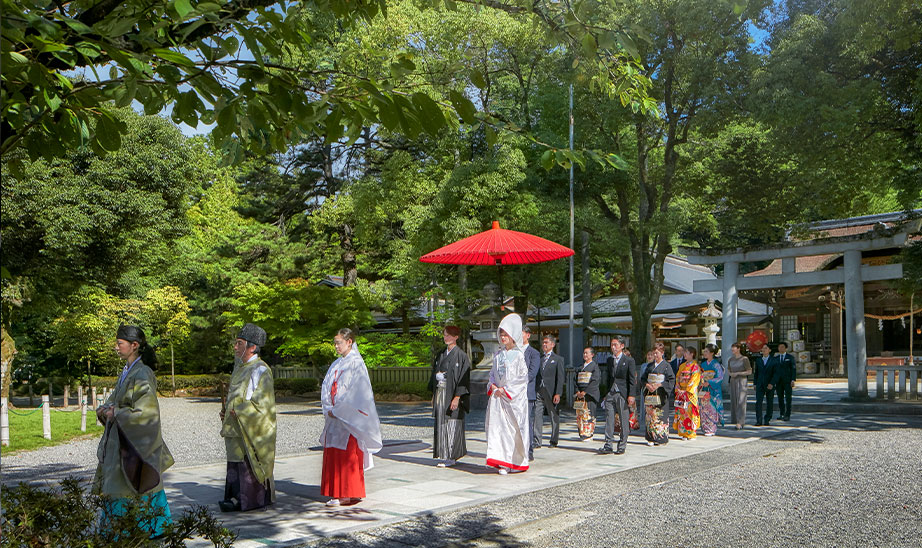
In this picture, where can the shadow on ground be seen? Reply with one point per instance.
(431, 530)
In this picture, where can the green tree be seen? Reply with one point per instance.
(698, 60)
(110, 220)
(85, 332)
(167, 313)
(840, 89)
(224, 63)
(301, 318)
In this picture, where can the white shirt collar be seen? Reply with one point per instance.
(618, 357)
(253, 357)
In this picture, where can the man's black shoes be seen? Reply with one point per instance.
(605, 450)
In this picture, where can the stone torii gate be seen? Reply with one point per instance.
(852, 275)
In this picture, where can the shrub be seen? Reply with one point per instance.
(298, 386)
(393, 350)
(69, 516)
(420, 389)
(165, 384)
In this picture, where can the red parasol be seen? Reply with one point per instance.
(498, 246)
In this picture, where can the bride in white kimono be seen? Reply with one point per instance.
(507, 409)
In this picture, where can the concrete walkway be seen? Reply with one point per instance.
(405, 482)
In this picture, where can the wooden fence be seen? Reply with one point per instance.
(397, 375)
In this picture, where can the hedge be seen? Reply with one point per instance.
(420, 389)
(186, 382)
(297, 386)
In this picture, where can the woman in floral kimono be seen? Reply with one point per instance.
(658, 381)
(507, 407)
(687, 417)
(710, 394)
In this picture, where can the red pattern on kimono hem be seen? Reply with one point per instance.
(500, 464)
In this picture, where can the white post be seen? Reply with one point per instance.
(4, 422)
(46, 417)
(97, 401)
(82, 411)
(66, 395)
(856, 343)
(79, 394)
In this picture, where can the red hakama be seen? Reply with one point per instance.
(343, 475)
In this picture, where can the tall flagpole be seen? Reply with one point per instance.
(572, 352)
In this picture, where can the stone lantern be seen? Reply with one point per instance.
(711, 316)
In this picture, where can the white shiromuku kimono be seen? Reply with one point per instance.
(346, 391)
(507, 408)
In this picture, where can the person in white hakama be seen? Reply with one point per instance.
(507, 409)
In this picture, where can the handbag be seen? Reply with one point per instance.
(579, 403)
(585, 424)
(652, 400)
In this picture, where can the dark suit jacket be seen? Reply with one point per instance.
(550, 376)
(622, 376)
(592, 387)
(674, 364)
(766, 374)
(787, 368)
(533, 361)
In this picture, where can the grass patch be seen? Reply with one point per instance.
(26, 430)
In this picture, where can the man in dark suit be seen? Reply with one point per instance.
(674, 363)
(533, 361)
(766, 378)
(549, 387)
(787, 374)
(678, 360)
(622, 376)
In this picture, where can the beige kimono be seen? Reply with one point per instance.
(250, 431)
(132, 455)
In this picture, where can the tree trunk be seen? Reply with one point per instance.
(172, 369)
(7, 353)
(350, 271)
(587, 289)
(405, 320)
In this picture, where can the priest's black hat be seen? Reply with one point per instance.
(252, 334)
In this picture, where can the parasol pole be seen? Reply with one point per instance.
(570, 357)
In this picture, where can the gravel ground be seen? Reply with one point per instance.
(854, 482)
(191, 430)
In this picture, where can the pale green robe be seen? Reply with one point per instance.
(132, 455)
(251, 433)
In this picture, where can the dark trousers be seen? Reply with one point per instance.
(545, 402)
(531, 429)
(616, 403)
(241, 485)
(764, 392)
(784, 398)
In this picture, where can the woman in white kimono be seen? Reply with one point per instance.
(351, 431)
(507, 409)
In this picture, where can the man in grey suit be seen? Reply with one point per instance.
(549, 387)
(622, 374)
(533, 361)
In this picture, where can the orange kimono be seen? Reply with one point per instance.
(687, 416)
